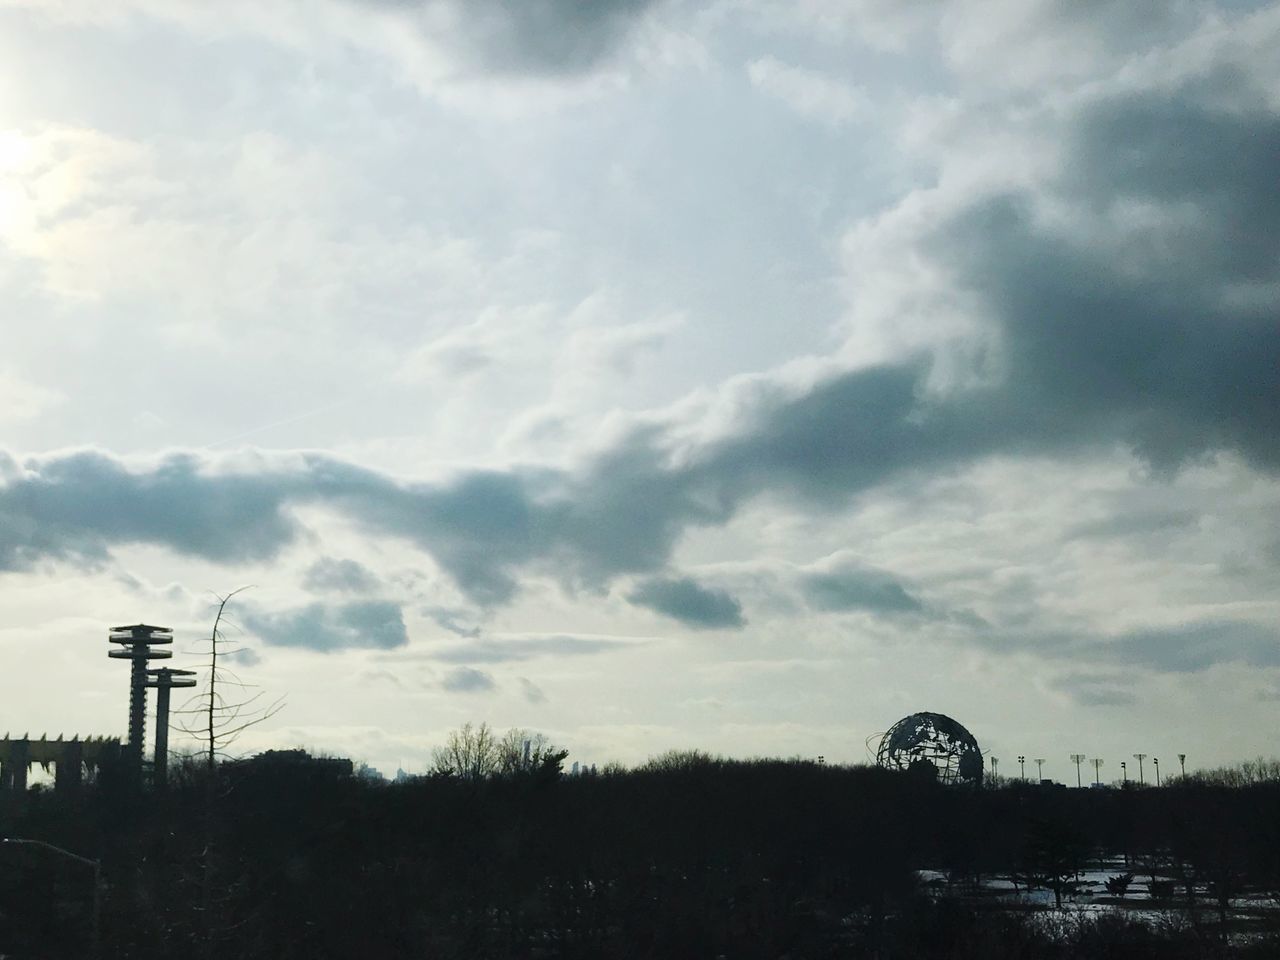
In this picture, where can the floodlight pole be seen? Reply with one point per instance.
(1142, 782)
(1156, 761)
(95, 945)
(1097, 771)
(1022, 768)
(1077, 759)
(1182, 762)
(1124, 773)
(1040, 768)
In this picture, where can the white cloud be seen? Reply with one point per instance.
(21, 400)
(810, 94)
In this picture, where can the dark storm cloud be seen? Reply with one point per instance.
(526, 36)
(78, 505)
(853, 587)
(1174, 352)
(467, 680)
(685, 600)
(323, 628)
(330, 575)
(1176, 356)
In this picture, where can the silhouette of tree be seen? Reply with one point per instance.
(524, 752)
(212, 716)
(470, 753)
(217, 721)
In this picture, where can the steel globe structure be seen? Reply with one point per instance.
(933, 745)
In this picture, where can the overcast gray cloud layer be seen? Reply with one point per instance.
(925, 341)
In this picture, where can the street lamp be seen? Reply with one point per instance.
(96, 933)
(1022, 766)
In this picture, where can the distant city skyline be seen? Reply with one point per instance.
(739, 375)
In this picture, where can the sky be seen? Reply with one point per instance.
(738, 375)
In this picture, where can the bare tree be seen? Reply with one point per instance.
(217, 721)
(477, 753)
(212, 716)
(469, 753)
(522, 751)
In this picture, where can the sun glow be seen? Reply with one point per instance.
(15, 151)
(15, 155)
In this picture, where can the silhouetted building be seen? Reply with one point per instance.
(70, 758)
(294, 762)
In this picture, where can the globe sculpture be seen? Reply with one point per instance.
(932, 745)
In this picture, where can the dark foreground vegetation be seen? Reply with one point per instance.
(687, 857)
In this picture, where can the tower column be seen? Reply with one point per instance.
(137, 644)
(164, 679)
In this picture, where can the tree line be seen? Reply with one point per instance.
(496, 854)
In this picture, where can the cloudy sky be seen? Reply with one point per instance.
(740, 374)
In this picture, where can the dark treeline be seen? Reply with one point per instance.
(686, 857)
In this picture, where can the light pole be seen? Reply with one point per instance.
(1124, 773)
(1022, 767)
(995, 768)
(1182, 762)
(1040, 769)
(96, 933)
(1077, 759)
(1097, 771)
(1156, 761)
(1141, 779)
